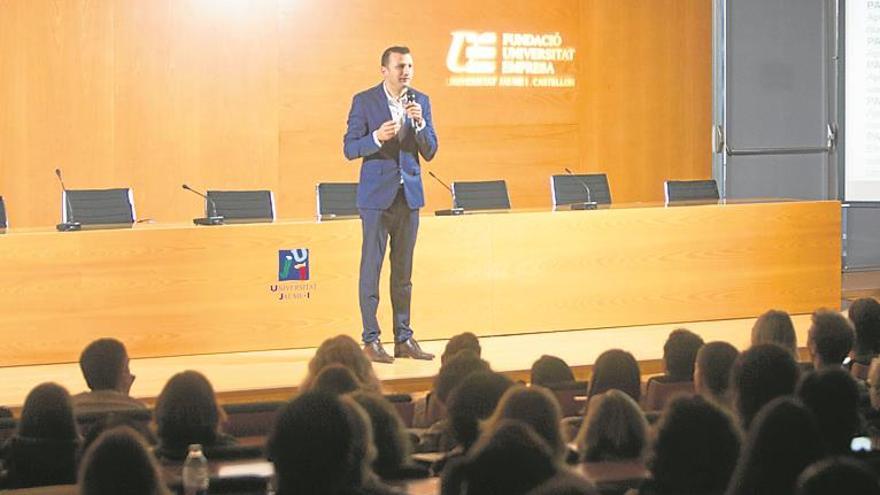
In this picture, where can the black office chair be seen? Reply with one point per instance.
(242, 206)
(481, 195)
(3, 223)
(568, 189)
(691, 191)
(337, 200)
(98, 206)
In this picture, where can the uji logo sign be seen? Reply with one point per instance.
(293, 264)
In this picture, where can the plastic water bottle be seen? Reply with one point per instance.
(195, 472)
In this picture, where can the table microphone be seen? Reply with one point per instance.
(70, 225)
(452, 211)
(589, 204)
(213, 218)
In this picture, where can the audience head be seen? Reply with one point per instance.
(775, 327)
(830, 338)
(696, 447)
(614, 429)
(474, 401)
(712, 370)
(336, 379)
(616, 369)
(343, 350)
(47, 414)
(864, 314)
(460, 342)
(119, 461)
(187, 411)
(548, 370)
(104, 364)
(454, 371)
(783, 440)
(759, 375)
(837, 475)
(680, 353)
(833, 397)
(536, 407)
(389, 434)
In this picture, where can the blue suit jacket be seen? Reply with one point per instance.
(382, 168)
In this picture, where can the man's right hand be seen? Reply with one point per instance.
(387, 131)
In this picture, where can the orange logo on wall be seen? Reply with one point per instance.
(526, 60)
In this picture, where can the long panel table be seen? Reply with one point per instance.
(181, 289)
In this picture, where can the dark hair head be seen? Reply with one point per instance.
(864, 313)
(119, 461)
(714, 362)
(783, 440)
(336, 379)
(389, 434)
(831, 336)
(473, 401)
(680, 353)
(759, 375)
(837, 475)
(549, 370)
(696, 447)
(833, 397)
(460, 342)
(775, 327)
(187, 411)
(343, 350)
(386, 55)
(47, 414)
(102, 363)
(616, 369)
(455, 370)
(614, 429)
(536, 407)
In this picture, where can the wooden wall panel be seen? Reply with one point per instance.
(254, 94)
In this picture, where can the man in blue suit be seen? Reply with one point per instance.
(389, 126)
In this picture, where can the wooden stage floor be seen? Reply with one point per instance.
(275, 375)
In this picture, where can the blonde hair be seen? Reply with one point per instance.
(342, 350)
(614, 429)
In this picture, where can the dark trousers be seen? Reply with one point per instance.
(401, 223)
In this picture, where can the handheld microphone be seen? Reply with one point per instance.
(452, 211)
(589, 204)
(408, 98)
(213, 218)
(69, 225)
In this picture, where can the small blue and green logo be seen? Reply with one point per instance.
(293, 264)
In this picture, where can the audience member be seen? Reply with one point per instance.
(830, 339)
(712, 371)
(759, 375)
(43, 450)
(837, 475)
(550, 370)
(616, 369)
(460, 342)
(104, 364)
(391, 440)
(864, 314)
(336, 379)
(783, 441)
(833, 397)
(187, 413)
(695, 450)
(431, 413)
(119, 462)
(775, 327)
(679, 356)
(343, 350)
(536, 407)
(615, 429)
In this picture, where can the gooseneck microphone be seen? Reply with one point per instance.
(451, 211)
(213, 218)
(69, 225)
(589, 204)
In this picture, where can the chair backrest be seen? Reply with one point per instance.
(336, 200)
(859, 371)
(658, 393)
(252, 419)
(568, 189)
(572, 396)
(691, 190)
(3, 221)
(243, 206)
(98, 206)
(481, 195)
(405, 407)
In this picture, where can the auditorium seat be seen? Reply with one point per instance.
(691, 191)
(658, 393)
(480, 195)
(405, 407)
(615, 477)
(252, 419)
(7, 428)
(568, 189)
(242, 206)
(572, 396)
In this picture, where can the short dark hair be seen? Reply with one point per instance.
(759, 375)
(715, 361)
(120, 462)
(187, 412)
(680, 353)
(832, 336)
(336, 379)
(833, 396)
(473, 401)
(549, 370)
(460, 342)
(864, 314)
(403, 50)
(616, 369)
(775, 327)
(102, 363)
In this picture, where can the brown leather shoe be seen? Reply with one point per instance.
(376, 353)
(410, 349)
